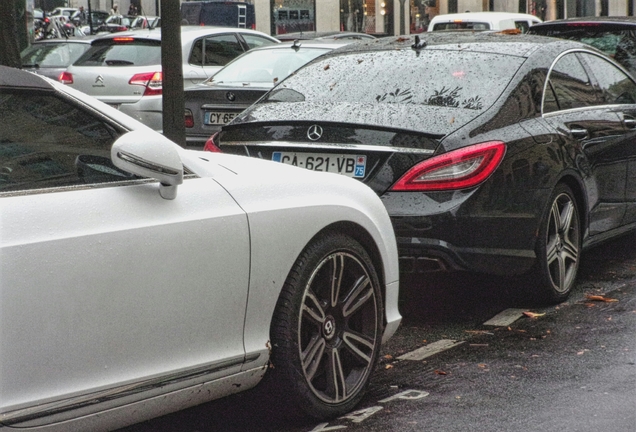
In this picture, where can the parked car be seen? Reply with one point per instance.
(615, 36)
(124, 69)
(139, 278)
(116, 23)
(142, 22)
(98, 17)
(241, 82)
(66, 12)
(219, 13)
(493, 21)
(51, 57)
(518, 176)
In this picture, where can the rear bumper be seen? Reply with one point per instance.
(467, 230)
(422, 255)
(197, 140)
(148, 110)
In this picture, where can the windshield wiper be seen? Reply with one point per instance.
(118, 62)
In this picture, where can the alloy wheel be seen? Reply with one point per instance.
(562, 245)
(338, 328)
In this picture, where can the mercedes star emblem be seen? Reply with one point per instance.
(314, 132)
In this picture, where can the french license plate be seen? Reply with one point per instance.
(349, 165)
(219, 117)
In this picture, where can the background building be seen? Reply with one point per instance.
(379, 17)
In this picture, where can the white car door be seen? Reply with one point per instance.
(108, 286)
(112, 286)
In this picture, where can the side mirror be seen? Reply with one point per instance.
(150, 155)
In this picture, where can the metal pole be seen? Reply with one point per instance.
(402, 18)
(172, 67)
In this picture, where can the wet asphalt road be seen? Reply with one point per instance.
(571, 369)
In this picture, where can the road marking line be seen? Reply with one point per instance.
(430, 349)
(505, 318)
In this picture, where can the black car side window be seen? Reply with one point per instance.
(46, 142)
(571, 86)
(616, 87)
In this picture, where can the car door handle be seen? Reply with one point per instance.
(579, 133)
(629, 123)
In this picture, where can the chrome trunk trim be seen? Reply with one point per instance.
(330, 146)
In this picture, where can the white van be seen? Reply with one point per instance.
(483, 21)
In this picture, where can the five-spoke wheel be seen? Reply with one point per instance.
(559, 245)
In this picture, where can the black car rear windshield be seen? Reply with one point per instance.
(453, 79)
(123, 51)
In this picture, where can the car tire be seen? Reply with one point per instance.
(327, 327)
(558, 247)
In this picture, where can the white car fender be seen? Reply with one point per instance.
(329, 202)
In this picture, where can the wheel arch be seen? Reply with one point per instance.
(363, 237)
(578, 189)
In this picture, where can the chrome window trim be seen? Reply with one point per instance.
(574, 110)
(55, 407)
(554, 62)
(332, 146)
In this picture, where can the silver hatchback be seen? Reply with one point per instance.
(124, 69)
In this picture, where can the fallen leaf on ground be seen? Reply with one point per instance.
(388, 357)
(439, 372)
(533, 315)
(481, 365)
(388, 367)
(326, 67)
(600, 298)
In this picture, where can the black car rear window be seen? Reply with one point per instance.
(452, 79)
(122, 51)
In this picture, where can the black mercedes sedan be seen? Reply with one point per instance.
(502, 154)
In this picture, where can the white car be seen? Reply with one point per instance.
(124, 69)
(139, 278)
(483, 21)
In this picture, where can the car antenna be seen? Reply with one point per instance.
(419, 44)
(296, 45)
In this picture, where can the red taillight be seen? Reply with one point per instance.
(121, 29)
(65, 78)
(123, 38)
(457, 169)
(210, 145)
(189, 119)
(151, 80)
